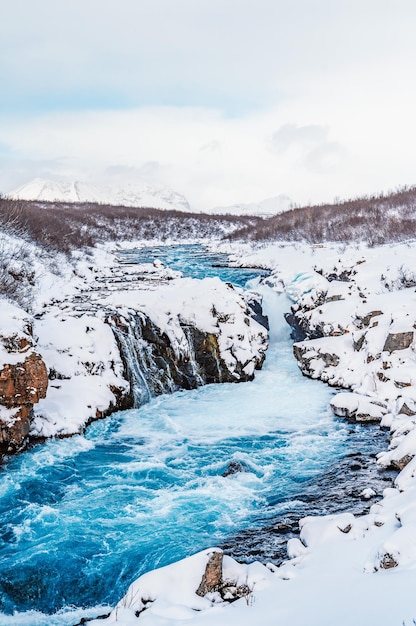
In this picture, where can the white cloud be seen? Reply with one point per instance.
(224, 101)
(291, 135)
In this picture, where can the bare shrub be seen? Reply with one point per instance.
(16, 271)
(58, 226)
(373, 219)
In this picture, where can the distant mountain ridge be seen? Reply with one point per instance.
(138, 194)
(267, 207)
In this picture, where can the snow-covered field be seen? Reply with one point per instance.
(343, 569)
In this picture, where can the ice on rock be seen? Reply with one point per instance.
(357, 407)
(368, 493)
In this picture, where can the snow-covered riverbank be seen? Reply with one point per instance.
(114, 334)
(343, 569)
(358, 305)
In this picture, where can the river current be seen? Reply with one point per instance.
(81, 518)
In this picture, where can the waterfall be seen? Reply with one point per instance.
(193, 366)
(146, 368)
(151, 364)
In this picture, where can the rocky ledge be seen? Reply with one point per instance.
(23, 378)
(359, 335)
(109, 349)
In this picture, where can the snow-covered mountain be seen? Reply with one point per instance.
(138, 194)
(267, 207)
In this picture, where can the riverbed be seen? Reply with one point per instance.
(83, 517)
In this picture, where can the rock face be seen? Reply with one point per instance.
(23, 379)
(24, 382)
(120, 347)
(157, 363)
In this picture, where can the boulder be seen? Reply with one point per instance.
(358, 408)
(398, 341)
(212, 577)
(23, 378)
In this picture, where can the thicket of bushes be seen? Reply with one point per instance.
(373, 219)
(65, 227)
(17, 275)
(62, 227)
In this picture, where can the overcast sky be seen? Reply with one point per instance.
(225, 101)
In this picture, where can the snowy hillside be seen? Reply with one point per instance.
(267, 207)
(138, 194)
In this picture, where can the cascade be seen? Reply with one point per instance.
(148, 357)
(152, 365)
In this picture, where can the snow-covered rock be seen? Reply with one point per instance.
(358, 408)
(23, 377)
(204, 581)
(85, 373)
(140, 331)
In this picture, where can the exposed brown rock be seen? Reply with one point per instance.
(398, 341)
(212, 578)
(388, 561)
(330, 359)
(23, 383)
(401, 463)
(405, 410)
(364, 322)
(358, 343)
(346, 529)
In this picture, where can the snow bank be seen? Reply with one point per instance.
(81, 353)
(15, 333)
(343, 569)
(173, 593)
(85, 372)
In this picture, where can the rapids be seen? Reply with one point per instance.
(83, 517)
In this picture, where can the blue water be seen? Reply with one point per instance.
(194, 261)
(83, 517)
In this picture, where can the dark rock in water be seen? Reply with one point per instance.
(301, 329)
(257, 311)
(297, 333)
(340, 488)
(85, 620)
(234, 467)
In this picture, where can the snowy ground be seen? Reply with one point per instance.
(71, 305)
(343, 569)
